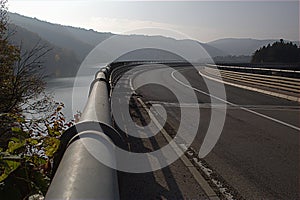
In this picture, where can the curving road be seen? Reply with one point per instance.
(257, 154)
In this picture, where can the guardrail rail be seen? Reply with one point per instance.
(78, 174)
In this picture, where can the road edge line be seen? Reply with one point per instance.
(193, 170)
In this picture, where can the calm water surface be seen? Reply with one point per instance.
(72, 93)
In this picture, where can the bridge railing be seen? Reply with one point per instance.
(78, 173)
(260, 70)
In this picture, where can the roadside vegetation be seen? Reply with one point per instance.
(31, 122)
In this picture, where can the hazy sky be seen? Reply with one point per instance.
(201, 20)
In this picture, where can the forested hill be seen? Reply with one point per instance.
(278, 52)
(79, 42)
(58, 62)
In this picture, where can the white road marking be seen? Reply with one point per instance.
(209, 105)
(232, 104)
(180, 152)
(130, 84)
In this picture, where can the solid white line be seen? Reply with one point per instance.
(196, 88)
(131, 85)
(180, 152)
(232, 104)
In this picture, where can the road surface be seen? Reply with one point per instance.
(257, 154)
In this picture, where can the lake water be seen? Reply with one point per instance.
(73, 96)
(73, 91)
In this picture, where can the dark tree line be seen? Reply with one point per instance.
(278, 52)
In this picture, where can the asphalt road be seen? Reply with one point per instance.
(257, 153)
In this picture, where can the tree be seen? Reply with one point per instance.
(30, 121)
(278, 52)
(21, 79)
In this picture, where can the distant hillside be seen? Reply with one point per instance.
(243, 46)
(58, 62)
(82, 41)
(232, 59)
(56, 34)
(238, 47)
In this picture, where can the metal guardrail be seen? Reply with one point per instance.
(269, 71)
(78, 174)
(262, 69)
